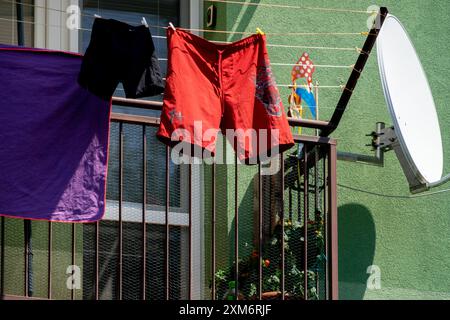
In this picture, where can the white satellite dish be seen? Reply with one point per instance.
(411, 105)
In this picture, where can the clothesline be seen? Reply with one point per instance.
(363, 33)
(299, 47)
(289, 86)
(312, 86)
(342, 87)
(316, 65)
(266, 5)
(165, 59)
(286, 6)
(299, 65)
(313, 48)
(280, 33)
(215, 41)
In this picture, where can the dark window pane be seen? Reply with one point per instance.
(132, 261)
(156, 12)
(8, 22)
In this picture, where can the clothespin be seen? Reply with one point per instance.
(97, 16)
(259, 31)
(172, 26)
(144, 22)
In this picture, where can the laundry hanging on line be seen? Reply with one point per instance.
(54, 127)
(53, 138)
(223, 86)
(119, 52)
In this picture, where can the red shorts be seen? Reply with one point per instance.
(223, 86)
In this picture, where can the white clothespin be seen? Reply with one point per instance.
(144, 22)
(97, 16)
(172, 26)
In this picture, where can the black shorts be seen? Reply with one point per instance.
(117, 53)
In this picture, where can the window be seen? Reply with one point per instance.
(157, 13)
(9, 21)
(49, 31)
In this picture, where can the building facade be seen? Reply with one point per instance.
(391, 245)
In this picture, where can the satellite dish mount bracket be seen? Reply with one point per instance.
(384, 139)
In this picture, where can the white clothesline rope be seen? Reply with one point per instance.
(214, 41)
(165, 59)
(278, 33)
(244, 3)
(298, 47)
(290, 86)
(308, 66)
(286, 6)
(204, 30)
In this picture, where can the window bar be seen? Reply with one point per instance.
(317, 210)
(317, 213)
(97, 269)
(325, 222)
(20, 24)
(121, 137)
(2, 253)
(49, 261)
(299, 183)
(144, 208)
(305, 223)
(26, 251)
(333, 236)
(290, 204)
(260, 233)
(236, 226)
(213, 233)
(167, 238)
(190, 229)
(72, 291)
(282, 229)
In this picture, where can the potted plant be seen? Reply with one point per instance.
(272, 265)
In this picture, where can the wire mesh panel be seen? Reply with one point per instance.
(14, 271)
(282, 229)
(304, 226)
(180, 231)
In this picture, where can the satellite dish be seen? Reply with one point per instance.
(418, 144)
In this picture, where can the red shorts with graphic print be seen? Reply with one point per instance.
(227, 87)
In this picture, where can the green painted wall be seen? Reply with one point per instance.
(408, 239)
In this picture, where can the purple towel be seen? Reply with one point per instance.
(53, 138)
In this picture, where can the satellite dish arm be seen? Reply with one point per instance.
(440, 182)
(428, 186)
(356, 73)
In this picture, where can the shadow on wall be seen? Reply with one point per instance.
(247, 227)
(356, 250)
(246, 13)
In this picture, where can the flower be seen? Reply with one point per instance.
(267, 263)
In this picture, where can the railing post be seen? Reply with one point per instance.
(332, 226)
(213, 232)
(2, 257)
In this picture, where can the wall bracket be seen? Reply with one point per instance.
(383, 140)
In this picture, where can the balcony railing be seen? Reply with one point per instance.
(205, 231)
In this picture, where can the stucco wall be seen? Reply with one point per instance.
(408, 239)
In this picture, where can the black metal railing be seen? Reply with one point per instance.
(293, 226)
